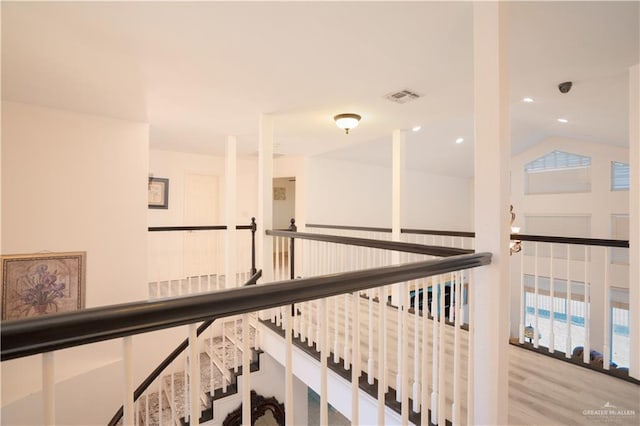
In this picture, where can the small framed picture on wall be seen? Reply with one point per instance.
(158, 193)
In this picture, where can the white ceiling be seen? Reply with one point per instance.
(199, 71)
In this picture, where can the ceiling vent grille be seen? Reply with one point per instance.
(402, 96)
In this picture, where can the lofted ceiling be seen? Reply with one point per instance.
(197, 71)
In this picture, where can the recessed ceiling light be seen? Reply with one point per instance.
(416, 128)
(459, 140)
(562, 120)
(528, 100)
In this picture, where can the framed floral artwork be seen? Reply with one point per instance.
(158, 193)
(42, 283)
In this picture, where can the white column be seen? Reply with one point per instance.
(398, 144)
(265, 197)
(490, 322)
(397, 176)
(634, 223)
(230, 213)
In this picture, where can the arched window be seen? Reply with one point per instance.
(558, 172)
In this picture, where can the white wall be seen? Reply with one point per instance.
(349, 193)
(177, 165)
(75, 182)
(437, 202)
(600, 203)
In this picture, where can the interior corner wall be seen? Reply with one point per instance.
(349, 193)
(177, 165)
(438, 202)
(75, 182)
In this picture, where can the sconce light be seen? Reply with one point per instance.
(515, 246)
(347, 121)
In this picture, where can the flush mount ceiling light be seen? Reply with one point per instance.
(347, 121)
(416, 128)
(562, 120)
(459, 140)
(527, 100)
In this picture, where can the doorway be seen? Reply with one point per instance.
(284, 201)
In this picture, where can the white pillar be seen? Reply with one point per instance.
(398, 143)
(634, 223)
(230, 213)
(492, 154)
(265, 197)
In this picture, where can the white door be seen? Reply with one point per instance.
(202, 254)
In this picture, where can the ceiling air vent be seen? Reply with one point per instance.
(402, 96)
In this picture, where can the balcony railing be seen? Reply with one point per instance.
(329, 298)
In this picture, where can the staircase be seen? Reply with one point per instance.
(166, 403)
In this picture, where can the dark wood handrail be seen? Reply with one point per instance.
(170, 358)
(571, 240)
(601, 242)
(31, 336)
(195, 228)
(437, 232)
(349, 228)
(373, 243)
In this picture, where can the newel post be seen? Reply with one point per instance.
(254, 228)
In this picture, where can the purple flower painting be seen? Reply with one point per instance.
(34, 285)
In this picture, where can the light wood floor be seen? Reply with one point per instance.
(542, 390)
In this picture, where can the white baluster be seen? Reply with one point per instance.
(606, 353)
(346, 350)
(434, 358)
(336, 343)
(211, 365)
(370, 373)
(536, 331)
(402, 289)
(288, 371)
(172, 403)
(127, 358)
(324, 354)
(457, 356)
(424, 400)
(404, 409)
(586, 354)
(160, 390)
(48, 388)
(471, 350)
(416, 349)
(235, 350)
(355, 357)
(552, 343)
(523, 300)
(382, 326)
(194, 375)
(146, 408)
(224, 357)
(568, 344)
(442, 315)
